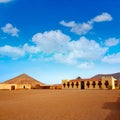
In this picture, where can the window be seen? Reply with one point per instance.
(99, 84)
(116, 83)
(64, 85)
(77, 84)
(88, 84)
(93, 84)
(72, 84)
(68, 84)
(106, 83)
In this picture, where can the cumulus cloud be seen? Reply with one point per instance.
(87, 49)
(5, 1)
(66, 50)
(67, 58)
(82, 49)
(12, 52)
(30, 48)
(82, 28)
(57, 46)
(51, 41)
(9, 29)
(112, 42)
(18, 52)
(114, 58)
(103, 17)
(68, 24)
(78, 28)
(85, 27)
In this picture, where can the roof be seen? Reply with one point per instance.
(23, 79)
(87, 79)
(57, 85)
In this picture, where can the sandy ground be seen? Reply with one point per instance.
(60, 105)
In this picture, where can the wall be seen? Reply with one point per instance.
(75, 86)
(14, 86)
(91, 84)
(111, 82)
(103, 83)
(23, 86)
(5, 87)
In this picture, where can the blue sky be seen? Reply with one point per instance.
(53, 40)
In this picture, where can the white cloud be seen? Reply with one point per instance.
(114, 58)
(9, 29)
(85, 27)
(13, 52)
(103, 17)
(55, 45)
(18, 52)
(68, 24)
(87, 49)
(82, 49)
(78, 28)
(65, 58)
(5, 1)
(31, 49)
(112, 42)
(81, 29)
(86, 65)
(51, 41)
(62, 49)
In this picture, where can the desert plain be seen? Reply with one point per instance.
(60, 105)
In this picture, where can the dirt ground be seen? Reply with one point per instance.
(60, 105)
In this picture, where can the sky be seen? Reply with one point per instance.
(52, 40)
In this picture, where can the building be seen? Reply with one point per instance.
(106, 82)
(22, 81)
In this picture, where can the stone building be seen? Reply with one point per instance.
(106, 82)
(21, 82)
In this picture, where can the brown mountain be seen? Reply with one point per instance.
(115, 75)
(23, 79)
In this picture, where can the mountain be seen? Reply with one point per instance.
(23, 79)
(115, 75)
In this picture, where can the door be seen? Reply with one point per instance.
(82, 85)
(12, 87)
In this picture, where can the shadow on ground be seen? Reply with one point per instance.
(114, 108)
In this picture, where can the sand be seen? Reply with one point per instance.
(60, 105)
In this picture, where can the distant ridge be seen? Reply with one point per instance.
(115, 75)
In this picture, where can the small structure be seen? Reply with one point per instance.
(56, 87)
(106, 82)
(22, 81)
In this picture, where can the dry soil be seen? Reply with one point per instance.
(60, 105)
